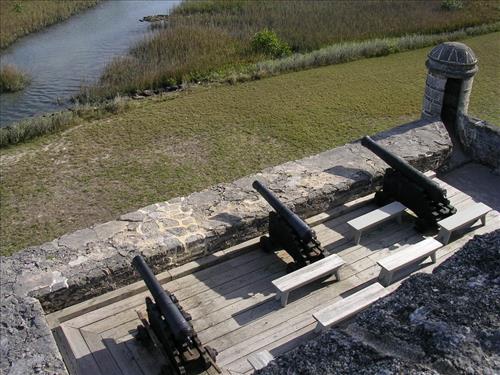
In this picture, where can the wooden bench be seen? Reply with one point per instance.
(407, 256)
(305, 275)
(375, 217)
(462, 219)
(349, 306)
(260, 360)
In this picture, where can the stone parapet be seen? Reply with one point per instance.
(92, 261)
(481, 141)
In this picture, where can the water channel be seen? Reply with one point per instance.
(62, 57)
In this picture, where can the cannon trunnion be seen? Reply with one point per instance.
(168, 328)
(289, 231)
(405, 184)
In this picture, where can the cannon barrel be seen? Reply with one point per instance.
(179, 326)
(303, 231)
(431, 188)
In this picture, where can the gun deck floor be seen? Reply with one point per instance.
(233, 304)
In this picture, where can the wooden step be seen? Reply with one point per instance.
(407, 256)
(462, 219)
(349, 306)
(375, 217)
(305, 275)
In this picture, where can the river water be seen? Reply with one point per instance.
(64, 56)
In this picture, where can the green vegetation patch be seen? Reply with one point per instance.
(21, 17)
(173, 145)
(12, 79)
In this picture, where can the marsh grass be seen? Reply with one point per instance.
(206, 39)
(346, 52)
(21, 17)
(55, 122)
(12, 79)
(31, 128)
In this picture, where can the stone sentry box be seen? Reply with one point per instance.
(451, 70)
(92, 261)
(452, 67)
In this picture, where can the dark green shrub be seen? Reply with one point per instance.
(452, 4)
(268, 43)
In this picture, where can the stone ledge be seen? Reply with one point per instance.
(92, 261)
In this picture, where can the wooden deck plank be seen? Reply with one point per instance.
(234, 288)
(232, 269)
(254, 290)
(103, 358)
(123, 357)
(276, 316)
(80, 359)
(149, 361)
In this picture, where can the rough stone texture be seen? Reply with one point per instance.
(92, 261)
(433, 96)
(444, 323)
(482, 141)
(22, 329)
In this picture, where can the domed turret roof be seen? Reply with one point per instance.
(452, 59)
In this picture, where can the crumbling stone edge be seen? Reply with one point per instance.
(95, 260)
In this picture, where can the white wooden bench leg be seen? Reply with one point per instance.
(337, 275)
(433, 257)
(357, 237)
(319, 327)
(284, 298)
(483, 219)
(385, 277)
(444, 235)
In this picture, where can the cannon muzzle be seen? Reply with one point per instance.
(179, 326)
(301, 229)
(434, 191)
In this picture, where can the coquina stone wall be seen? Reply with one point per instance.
(481, 141)
(95, 260)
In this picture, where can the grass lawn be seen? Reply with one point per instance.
(161, 148)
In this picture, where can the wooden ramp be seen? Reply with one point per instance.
(233, 301)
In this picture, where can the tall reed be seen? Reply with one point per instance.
(205, 39)
(12, 79)
(21, 17)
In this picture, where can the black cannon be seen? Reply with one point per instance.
(169, 328)
(289, 231)
(412, 188)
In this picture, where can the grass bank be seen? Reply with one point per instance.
(21, 17)
(168, 146)
(12, 79)
(37, 126)
(204, 39)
